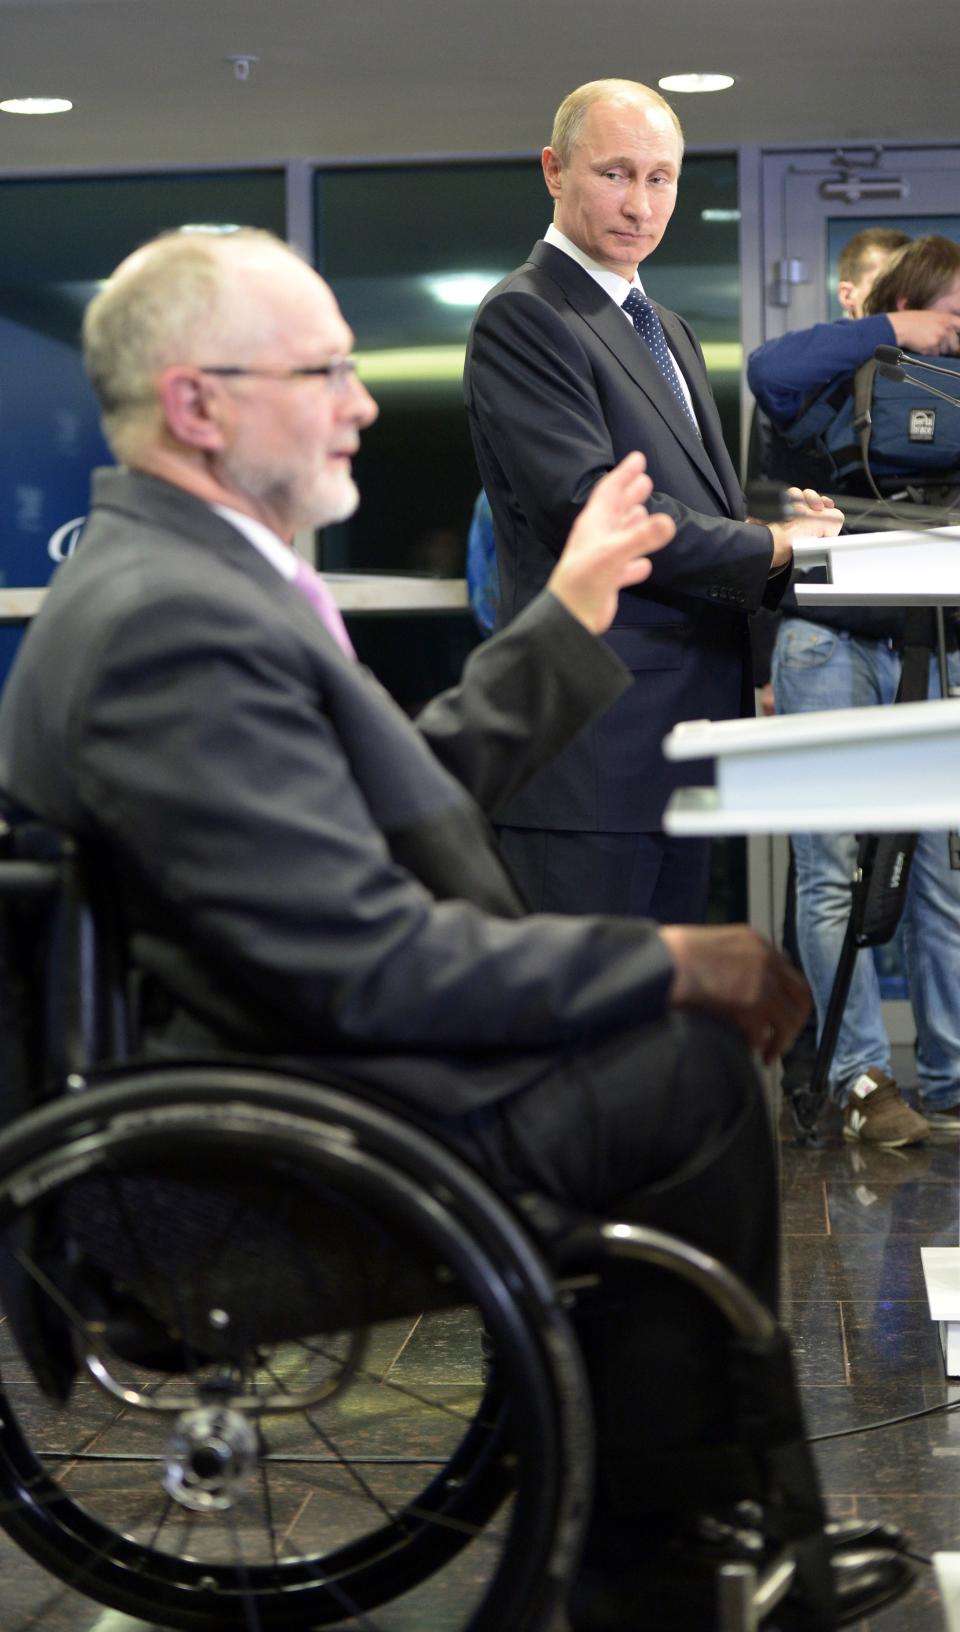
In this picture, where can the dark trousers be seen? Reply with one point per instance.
(665, 1127)
(645, 875)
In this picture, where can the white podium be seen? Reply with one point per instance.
(883, 569)
(856, 770)
(846, 770)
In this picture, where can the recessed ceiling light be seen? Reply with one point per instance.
(35, 104)
(695, 82)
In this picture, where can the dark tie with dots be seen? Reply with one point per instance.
(650, 329)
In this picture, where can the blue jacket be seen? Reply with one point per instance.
(784, 373)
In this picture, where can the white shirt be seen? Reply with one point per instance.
(262, 537)
(613, 285)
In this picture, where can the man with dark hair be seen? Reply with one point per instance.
(860, 260)
(569, 366)
(849, 657)
(784, 373)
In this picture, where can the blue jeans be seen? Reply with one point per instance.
(815, 667)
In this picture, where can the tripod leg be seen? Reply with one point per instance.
(806, 1105)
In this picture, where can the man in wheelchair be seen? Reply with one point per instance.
(302, 874)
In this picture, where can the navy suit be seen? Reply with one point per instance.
(558, 389)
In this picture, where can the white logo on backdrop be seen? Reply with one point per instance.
(64, 541)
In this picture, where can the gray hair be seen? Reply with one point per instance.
(164, 303)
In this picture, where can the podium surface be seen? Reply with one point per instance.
(897, 568)
(846, 770)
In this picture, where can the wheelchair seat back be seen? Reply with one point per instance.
(148, 1252)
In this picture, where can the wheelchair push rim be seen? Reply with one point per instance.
(483, 1526)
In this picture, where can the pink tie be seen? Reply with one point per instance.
(323, 603)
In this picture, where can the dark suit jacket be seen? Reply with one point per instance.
(300, 868)
(559, 388)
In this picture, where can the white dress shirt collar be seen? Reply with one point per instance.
(611, 282)
(617, 288)
(279, 554)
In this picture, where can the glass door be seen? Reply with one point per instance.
(799, 208)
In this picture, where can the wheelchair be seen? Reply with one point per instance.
(224, 1292)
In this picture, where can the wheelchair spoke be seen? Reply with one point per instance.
(366, 1375)
(248, 1603)
(266, 1493)
(342, 1598)
(44, 1284)
(348, 1474)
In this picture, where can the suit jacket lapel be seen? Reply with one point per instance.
(706, 409)
(596, 308)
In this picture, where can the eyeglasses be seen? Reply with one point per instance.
(339, 371)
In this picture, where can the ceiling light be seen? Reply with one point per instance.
(35, 104)
(695, 82)
(719, 215)
(462, 288)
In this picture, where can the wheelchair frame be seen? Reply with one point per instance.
(179, 1241)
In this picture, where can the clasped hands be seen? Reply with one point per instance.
(809, 515)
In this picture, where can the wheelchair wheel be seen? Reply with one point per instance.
(253, 1278)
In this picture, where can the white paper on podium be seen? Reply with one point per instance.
(846, 770)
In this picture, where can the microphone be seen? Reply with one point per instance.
(891, 373)
(892, 355)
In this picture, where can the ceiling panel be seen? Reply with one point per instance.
(152, 84)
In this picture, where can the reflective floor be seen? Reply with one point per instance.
(866, 1350)
(854, 1222)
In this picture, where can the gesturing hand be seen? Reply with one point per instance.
(609, 544)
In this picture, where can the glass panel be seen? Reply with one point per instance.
(409, 251)
(60, 237)
(839, 232)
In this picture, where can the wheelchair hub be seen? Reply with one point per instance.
(209, 1457)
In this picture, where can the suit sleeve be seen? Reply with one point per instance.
(525, 694)
(241, 814)
(539, 414)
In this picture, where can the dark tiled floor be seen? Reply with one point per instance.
(854, 1221)
(866, 1350)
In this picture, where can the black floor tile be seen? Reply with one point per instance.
(853, 1220)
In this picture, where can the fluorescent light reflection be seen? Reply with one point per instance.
(434, 365)
(35, 104)
(462, 288)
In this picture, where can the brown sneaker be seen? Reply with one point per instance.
(877, 1114)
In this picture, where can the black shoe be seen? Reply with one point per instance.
(840, 1534)
(679, 1594)
(844, 1535)
(864, 1581)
